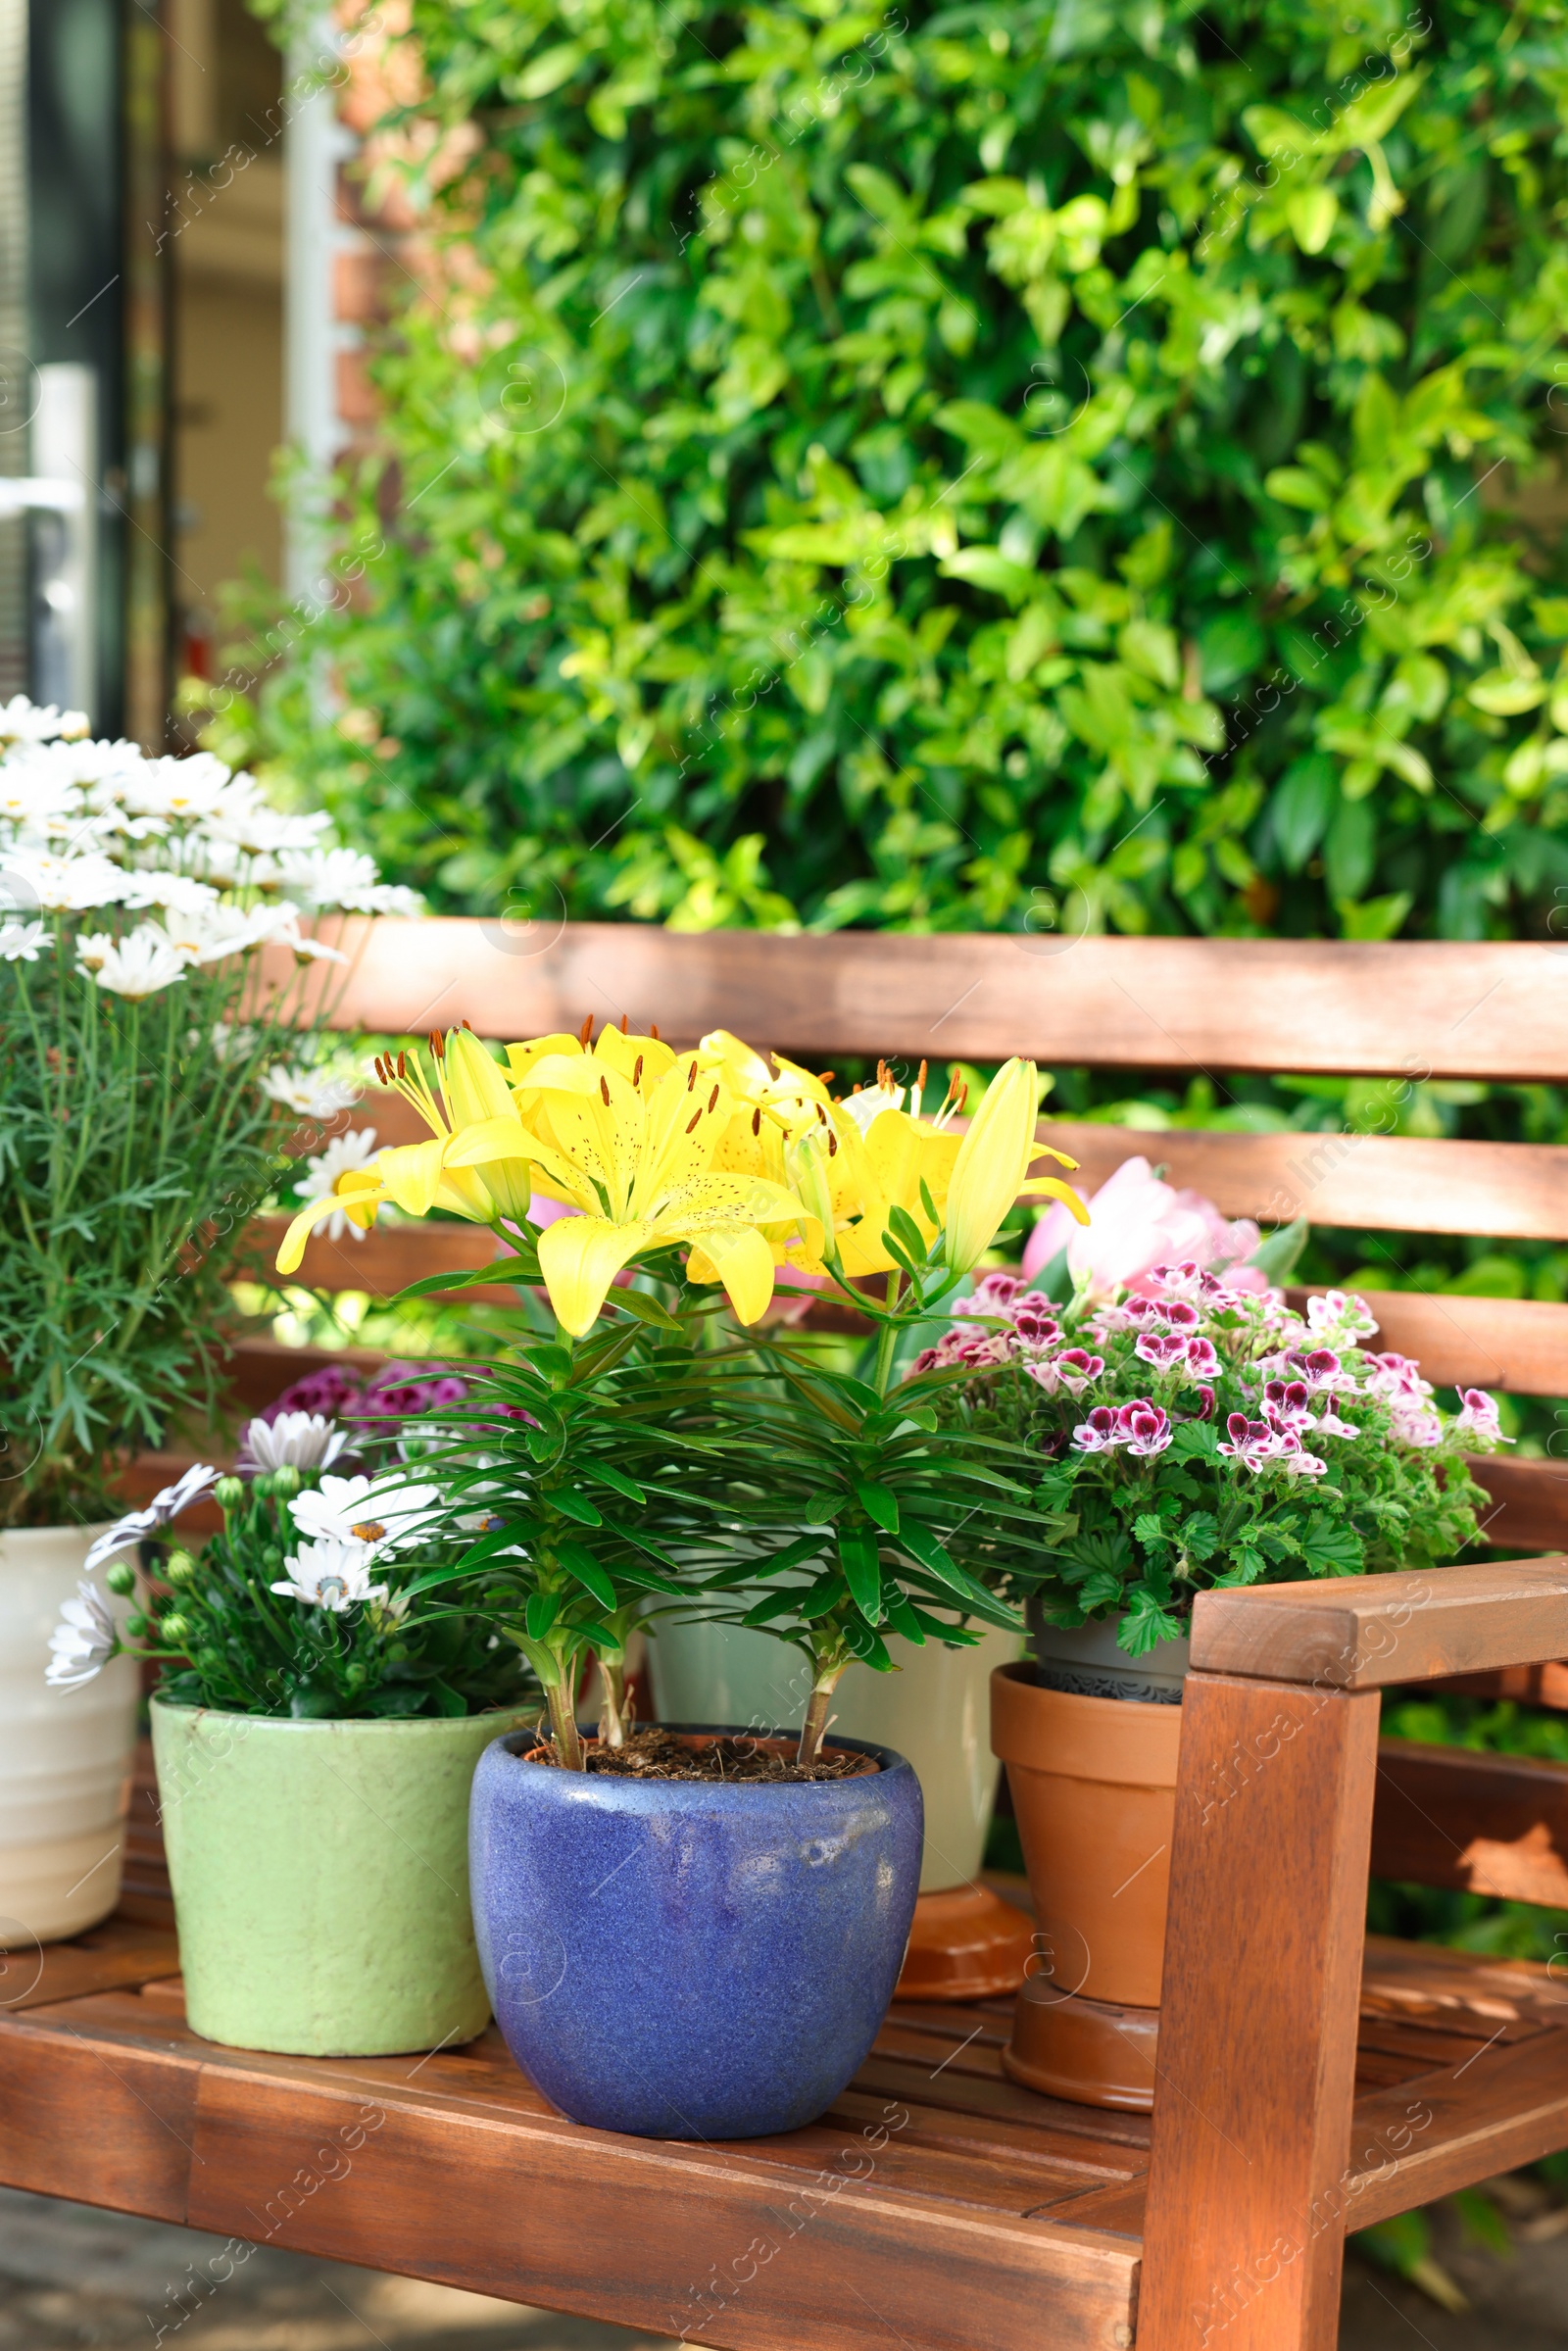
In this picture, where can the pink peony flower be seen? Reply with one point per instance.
(1136, 1222)
(1067, 1374)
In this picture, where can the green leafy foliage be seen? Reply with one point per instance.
(967, 466)
(230, 1641)
(130, 1154)
(910, 1529)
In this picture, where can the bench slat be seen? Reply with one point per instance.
(1414, 1008)
(1376, 1182)
(1517, 1344)
(1481, 1824)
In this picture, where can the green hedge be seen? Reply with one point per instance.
(976, 466)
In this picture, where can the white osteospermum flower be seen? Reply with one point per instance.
(294, 1441)
(353, 1149)
(24, 722)
(164, 1505)
(23, 941)
(82, 1642)
(332, 1574)
(377, 1511)
(312, 1093)
(143, 963)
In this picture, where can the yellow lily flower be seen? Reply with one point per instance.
(626, 1132)
(991, 1170)
(415, 1176)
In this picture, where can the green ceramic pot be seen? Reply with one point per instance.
(321, 1876)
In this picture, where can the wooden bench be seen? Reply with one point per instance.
(1310, 2082)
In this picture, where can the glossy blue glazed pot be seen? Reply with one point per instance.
(682, 1959)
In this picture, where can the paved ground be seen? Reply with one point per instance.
(73, 2278)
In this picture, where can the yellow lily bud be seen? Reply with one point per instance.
(807, 1162)
(474, 1085)
(992, 1168)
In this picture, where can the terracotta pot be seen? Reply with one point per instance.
(1094, 1787)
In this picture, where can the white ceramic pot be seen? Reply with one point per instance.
(936, 1710)
(64, 1755)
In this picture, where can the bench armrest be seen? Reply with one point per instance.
(1366, 1632)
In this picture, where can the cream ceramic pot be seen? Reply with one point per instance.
(936, 1711)
(64, 1755)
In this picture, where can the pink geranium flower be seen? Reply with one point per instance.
(1144, 1427)
(992, 1296)
(1478, 1417)
(1162, 1350)
(1099, 1432)
(1067, 1374)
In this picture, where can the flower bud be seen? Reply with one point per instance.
(137, 1625)
(175, 1627)
(122, 1577)
(285, 1482)
(180, 1568)
(229, 1492)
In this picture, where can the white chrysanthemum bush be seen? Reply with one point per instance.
(146, 1081)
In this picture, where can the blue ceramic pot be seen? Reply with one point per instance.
(681, 1959)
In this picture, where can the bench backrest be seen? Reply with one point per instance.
(1409, 1012)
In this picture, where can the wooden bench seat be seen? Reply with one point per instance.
(1308, 2083)
(938, 2203)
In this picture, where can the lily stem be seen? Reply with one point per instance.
(613, 1720)
(564, 1725)
(888, 1335)
(816, 1723)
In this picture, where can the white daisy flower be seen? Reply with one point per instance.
(331, 1574)
(82, 1642)
(184, 789)
(31, 794)
(208, 933)
(343, 878)
(24, 942)
(294, 1441)
(61, 884)
(354, 1150)
(312, 1093)
(150, 886)
(380, 1512)
(24, 722)
(143, 963)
